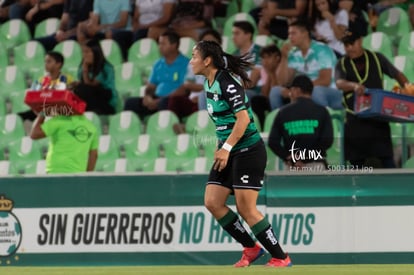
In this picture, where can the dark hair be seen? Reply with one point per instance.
(245, 26)
(213, 33)
(302, 24)
(172, 37)
(270, 49)
(57, 56)
(98, 56)
(237, 65)
(316, 13)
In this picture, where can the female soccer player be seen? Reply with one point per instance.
(240, 159)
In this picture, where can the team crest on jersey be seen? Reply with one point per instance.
(215, 97)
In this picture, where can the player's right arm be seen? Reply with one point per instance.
(37, 132)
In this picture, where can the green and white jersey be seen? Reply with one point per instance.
(226, 97)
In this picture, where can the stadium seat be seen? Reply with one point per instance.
(335, 154)
(12, 82)
(5, 168)
(72, 52)
(4, 58)
(270, 117)
(30, 57)
(17, 104)
(186, 46)
(379, 42)
(128, 79)
(274, 163)
(160, 126)
(409, 163)
(143, 53)
(181, 153)
(406, 45)
(24, 155)
(3, 106)
(202, 164)
(13, 33)
(107, 153)
(241, 16)
(228, 44)
(46, 27)
(142, 154)
(394, 22)
(95, 120)
(11, 129)
(263, 40)
(124, 127)
(112, 51)
(41, 167)
(200, 122)
(405, 64)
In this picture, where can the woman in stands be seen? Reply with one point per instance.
(97, 80)
(240, 160)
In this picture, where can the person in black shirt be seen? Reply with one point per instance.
(302, 130)
(367, 140)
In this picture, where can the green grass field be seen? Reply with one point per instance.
(215, 270)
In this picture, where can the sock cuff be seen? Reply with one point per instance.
(260, 226)
(228, 218)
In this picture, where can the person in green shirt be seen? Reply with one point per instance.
(240, 157)
(73, 143)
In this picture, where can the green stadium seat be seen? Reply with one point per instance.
(107, 153)
(405, 63)
(112, 51)
(335, 152)
(181, 153)
(263, 40)
(274, 163)
(379, 42)
(124, 127)
(24, 155)
(128, 80)
(5, 168)
(96, 120)
(72, 52)
(30, 56)
(228, 44)
(12, 82)
(186, 46)
(46, 27)
(160, 126)
(41, 167)
(409, 163)
(200, 123)
(270, 117)
(143, 53)
(11, 129)
(4, 59)
(406, 45)
(394, 22)
(13, 33)
(3, 106)
(202, 164)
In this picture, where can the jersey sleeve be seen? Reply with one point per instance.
(233, 93)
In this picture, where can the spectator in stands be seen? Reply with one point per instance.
(270, 56)
(74, 12)
(367, 141)
(329, 24)
(356, 17)
(57, 80)
(190, 96)
(302, 126)
(110, 20)
(4, 10)
(41, 10)
(190, 19)
(150, 13)
(96, 84)
(73, 143)
(302, 55)
(276, 15)
(167, 75)
(242, 35)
